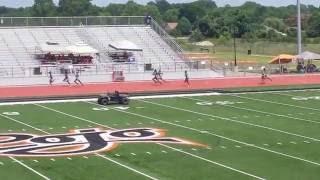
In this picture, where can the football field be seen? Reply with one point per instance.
(267, 135)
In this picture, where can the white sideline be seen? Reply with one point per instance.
(222, 137)
(94, 99)
(199, 157)
(144, 97)
(127, 167)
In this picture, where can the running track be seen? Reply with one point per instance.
(149, 86)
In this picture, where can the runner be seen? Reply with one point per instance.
(66, 77)
(160, 75)
(77, 80)
(155, 79)
(51, 80)
(186, 77)
(264, 74)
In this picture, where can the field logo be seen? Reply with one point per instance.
(80, 142)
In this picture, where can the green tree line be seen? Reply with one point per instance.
(199, 19)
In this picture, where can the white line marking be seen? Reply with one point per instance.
(52, 160)
(1, 163)
(70, 158)
(242, 172)
(292, 142)
(148, 153)
(236, 121)
(274, 102)
(262, 112)
(82, 119)
(133, 154)
(125, 166)
(29, 168)
(223, 137)
(212, 162)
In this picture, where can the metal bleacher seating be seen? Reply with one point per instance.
(17, 45)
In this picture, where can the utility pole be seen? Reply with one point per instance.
(299, 46)
(234, 47)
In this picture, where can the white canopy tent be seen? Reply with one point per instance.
(56, 48)
(81, 49)
(51, 47)
(307, 55)
(125, 45)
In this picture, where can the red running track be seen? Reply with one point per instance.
(149, 86)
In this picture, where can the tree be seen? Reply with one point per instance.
(74, 7)
(196, 36)
(314, 25)
(132, 9)
(162, 5)
(171, 15)
(184, 26)
(43, 8)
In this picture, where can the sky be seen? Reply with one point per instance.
(23, 3)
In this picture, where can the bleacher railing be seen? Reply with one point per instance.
(166, 37)
(70, 21)
(100, 69)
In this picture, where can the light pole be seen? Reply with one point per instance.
(299, 47)
(234, 47)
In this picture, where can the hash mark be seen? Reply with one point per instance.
(52, 159)
(266, 144)
(35, 161)
(223, 147)
(279, 143)
(164, 152)
(238, 146)
(307, 142)
(194, 149)
(69, 158)
(85, 157)
(133, 154)
(148, 153)
(1, 163)
(292, 142)
(118, 155)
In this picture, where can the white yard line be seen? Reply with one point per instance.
(235, 121)
(128, 167)
(35, 128)
(262, 112)
(29, 168)
(201, 158)
(222, 137)
(273, 102)
(212, 162)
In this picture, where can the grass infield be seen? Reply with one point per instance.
(270, 135)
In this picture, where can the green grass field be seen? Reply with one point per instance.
(266, 135)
